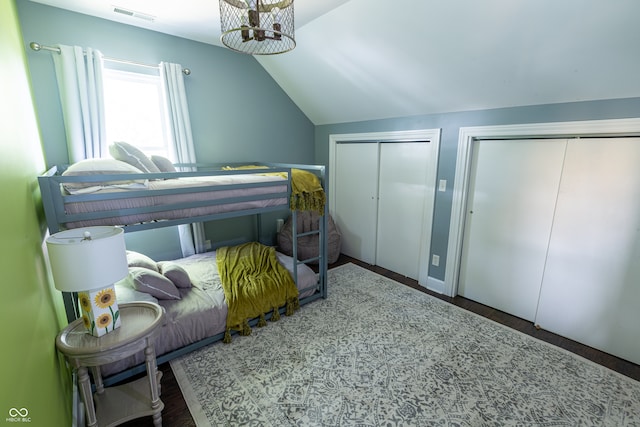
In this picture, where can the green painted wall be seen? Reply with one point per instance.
(33, 376)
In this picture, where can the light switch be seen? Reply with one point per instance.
(435, 260)
(442, 185)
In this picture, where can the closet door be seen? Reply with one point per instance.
(356, 199)
(591, 287)
(512, 195)
(401, 204)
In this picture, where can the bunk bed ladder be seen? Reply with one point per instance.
(322, 258)
(294, 239)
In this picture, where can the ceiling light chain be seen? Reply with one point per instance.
(257, 27)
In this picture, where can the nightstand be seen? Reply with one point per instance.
(114, 405)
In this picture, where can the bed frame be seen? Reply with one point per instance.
(54, 202)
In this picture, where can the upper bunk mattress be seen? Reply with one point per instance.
(219, 194)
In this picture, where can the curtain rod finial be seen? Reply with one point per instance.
(186, 71)
(35, 46)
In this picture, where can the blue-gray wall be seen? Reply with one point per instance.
(228, 126)
(450, 123)
(238, 113)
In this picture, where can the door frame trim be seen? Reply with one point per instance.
(433, 136)
(467, 135)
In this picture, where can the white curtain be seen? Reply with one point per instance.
(79, 75)
(192, 239)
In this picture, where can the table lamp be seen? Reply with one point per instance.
(89, 261)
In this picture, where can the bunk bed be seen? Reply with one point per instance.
(143, 201)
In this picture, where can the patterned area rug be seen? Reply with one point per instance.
(378, 353)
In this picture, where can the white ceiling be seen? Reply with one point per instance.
(372, 59)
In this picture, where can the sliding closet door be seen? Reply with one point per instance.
(381, 196)
(512, 196)
(591, 287)
(356, 199)
(401, 205)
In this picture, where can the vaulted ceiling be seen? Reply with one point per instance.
(372, 59)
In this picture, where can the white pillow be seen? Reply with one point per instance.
(101, 167)
(128, 153)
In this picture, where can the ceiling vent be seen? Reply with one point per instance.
(134, 14)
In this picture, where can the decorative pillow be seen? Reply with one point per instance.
(128, 153)
(175, 273)
(99, 167)
(136, 259)
(126, 293)
(153, 283)
(162, 163)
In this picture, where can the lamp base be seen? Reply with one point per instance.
(100, 311)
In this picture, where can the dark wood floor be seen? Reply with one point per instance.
(176, 413)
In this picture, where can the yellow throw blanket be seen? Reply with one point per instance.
(254, 283)
(307, 193)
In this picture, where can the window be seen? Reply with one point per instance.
(135, 111)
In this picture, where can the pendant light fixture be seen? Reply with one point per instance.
(257, 27)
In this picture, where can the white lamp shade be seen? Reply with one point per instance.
(88, 258)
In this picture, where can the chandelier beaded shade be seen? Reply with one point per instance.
(257, 27)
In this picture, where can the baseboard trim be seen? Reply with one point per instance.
(435, 285)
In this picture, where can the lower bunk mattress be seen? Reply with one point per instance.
(201, 311)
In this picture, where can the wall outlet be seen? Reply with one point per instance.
(435, 260)
(207, 245)
(442, 185)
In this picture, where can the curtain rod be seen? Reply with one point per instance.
(37, 47)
